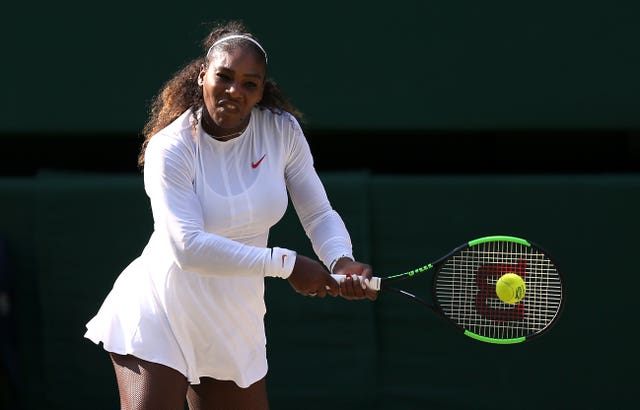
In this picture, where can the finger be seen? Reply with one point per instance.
(359, 286)
(367, 274)
(371, 294)
(333, 291)
(321, 292)
(348, 289)
(333, 287)
(345, 286)
(355, 282)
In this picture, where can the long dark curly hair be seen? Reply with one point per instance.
(182, 91)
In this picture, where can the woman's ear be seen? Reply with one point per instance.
(203, 71)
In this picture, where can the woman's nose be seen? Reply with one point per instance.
(233, 89)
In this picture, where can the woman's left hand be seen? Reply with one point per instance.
(353, 287)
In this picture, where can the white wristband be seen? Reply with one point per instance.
(281, 264)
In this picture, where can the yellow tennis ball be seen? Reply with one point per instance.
(510, 288)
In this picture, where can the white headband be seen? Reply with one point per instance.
(237, 36)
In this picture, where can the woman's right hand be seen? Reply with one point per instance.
(310, 278)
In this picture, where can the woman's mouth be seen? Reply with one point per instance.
(228, 106)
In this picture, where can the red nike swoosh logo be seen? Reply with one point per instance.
(255, 164)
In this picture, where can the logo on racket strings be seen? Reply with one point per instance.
(486, 278)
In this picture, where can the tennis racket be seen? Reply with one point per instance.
(463, 289)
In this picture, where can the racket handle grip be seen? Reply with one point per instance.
(374, 283)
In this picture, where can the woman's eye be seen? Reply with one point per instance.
(223, 76)
(251, 85)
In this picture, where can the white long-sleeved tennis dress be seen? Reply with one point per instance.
(194, 299)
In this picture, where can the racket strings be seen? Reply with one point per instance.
(465, 290)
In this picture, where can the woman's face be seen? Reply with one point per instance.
(232, 85)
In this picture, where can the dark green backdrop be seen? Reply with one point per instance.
(70, 235)
(401, 65)
(424, 77)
